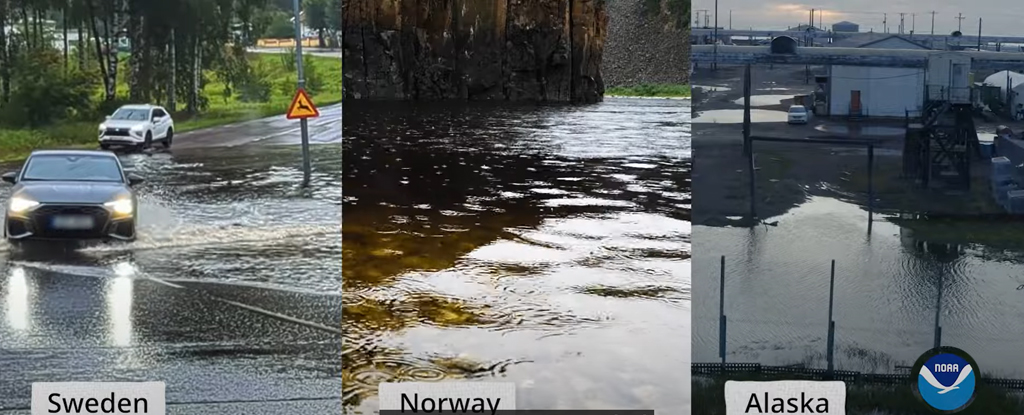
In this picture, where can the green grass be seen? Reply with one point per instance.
(650, 90)
(709, 398)
(16, 144)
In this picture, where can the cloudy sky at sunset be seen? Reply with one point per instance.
(999, 17)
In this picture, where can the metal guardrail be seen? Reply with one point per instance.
(708, 369)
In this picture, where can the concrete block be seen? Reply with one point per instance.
(1015, 201)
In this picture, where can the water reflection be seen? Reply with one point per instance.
(889, 286)
(119, 304)
(16, 298)
(547, 246)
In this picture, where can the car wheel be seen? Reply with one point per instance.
(169, 138)
(149, 140)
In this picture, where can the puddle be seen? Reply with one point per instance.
(736, 116)
(861, 130)
(764, 100)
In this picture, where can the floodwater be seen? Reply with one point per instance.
(546, 246)
(886, 292)
(763, 100)
(735, 116)
(233, 286)
(226, 215)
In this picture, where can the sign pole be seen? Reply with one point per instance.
(301, 86)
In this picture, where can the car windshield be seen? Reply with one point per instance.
(131, 114)
(797, 110)
(72, 168)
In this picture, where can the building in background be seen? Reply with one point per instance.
(845, 27)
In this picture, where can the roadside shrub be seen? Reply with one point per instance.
(314, 83)
(288, 60)
(44, 91)
(249, 82)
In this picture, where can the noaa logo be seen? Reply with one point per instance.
(946, 379)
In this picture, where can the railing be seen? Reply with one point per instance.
(848, 376)
(954, 95)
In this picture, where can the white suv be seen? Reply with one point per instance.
(137, 126)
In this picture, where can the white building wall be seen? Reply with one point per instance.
(884, 92)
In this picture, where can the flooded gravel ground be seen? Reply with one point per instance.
(886, 293)
(546, 246)
(811, 201)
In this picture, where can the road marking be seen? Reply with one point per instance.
(267, 313)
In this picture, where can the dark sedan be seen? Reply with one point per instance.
(71, 195)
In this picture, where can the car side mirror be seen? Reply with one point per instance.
(134, 179)
(10, 177)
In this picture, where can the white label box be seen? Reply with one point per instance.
(66, 398)
(434, 397)
(785, 397)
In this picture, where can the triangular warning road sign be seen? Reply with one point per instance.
(302, 106)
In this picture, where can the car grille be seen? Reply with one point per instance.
(43, 216)
(117, 132)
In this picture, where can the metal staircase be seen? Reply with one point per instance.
(939, 147)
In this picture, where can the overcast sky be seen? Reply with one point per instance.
(999, 17)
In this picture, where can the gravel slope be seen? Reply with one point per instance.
(640, 50)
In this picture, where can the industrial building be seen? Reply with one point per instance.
(845, 27)
(866, 91)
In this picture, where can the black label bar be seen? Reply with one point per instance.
(528, 412)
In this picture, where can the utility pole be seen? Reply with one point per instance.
(885, 23)
(730, 19)
(979, 34)
(959, 22)
(714, 63)
(913, 23)
(901, 23)
(820, 25)
(933, 22)
(303, 123)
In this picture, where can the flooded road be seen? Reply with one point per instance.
(886, 290)
(231, 294)
(546, 246)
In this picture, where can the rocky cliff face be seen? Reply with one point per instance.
(645, 47)
(521, 50)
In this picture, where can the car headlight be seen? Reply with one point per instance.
(20, 204)
(122, 206)
(138, 128)
(103, 127)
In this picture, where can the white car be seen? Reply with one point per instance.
(137, 126)
(798, 114)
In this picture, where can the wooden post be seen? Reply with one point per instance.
(721, 314)
(748, 145)
(871, 185)
(938, 313)
(830, 353)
